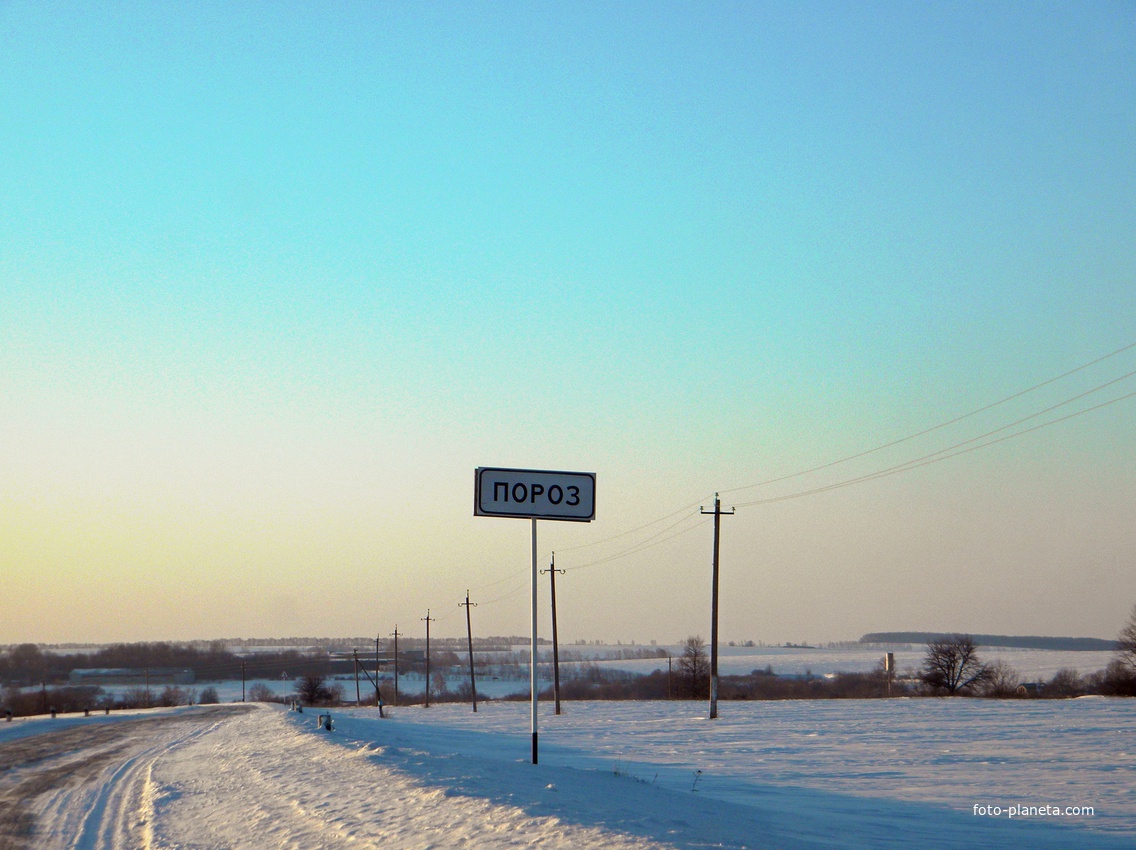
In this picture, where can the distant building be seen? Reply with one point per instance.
(132, 676)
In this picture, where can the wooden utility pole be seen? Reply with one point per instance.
(358, 699)
(552, 571)
(377, 697)
(428, 619)
(395, 634)
(469, 633)
(718, 514)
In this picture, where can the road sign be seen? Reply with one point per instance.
(535, 494)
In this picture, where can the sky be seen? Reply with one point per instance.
(276, 278)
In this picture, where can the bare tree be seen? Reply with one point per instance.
(260, 692)
(1066, 682)
(135, 697)
(693, 669)
(1126, 643)
(173, 695)
(952, 665)
(209, 696)
(1002, 680)
(313, 690)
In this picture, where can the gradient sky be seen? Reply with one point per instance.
(275, 278)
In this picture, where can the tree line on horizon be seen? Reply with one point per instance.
(1060, 644)
(951, 667)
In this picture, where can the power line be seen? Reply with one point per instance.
(508, 595)
(664, 535)
(938, 427)
(685, 509)
(917, 462)
(642, 546)
(646, 543)
(930, 459)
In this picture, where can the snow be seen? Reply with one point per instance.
(872, 773)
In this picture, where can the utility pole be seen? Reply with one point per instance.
(395, 634)
(428, 620)
(469, 633)
(718, 514)
(242, 681)
(552, 571)
(358, 699)
(377, 700)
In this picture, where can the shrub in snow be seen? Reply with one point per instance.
(209, 696)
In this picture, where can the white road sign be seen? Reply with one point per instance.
(535, 494)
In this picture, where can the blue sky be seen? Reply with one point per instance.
(275, 278)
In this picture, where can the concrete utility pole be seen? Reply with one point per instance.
(358, 698)
(552, 571)
(377, 696)
(718, 514)
(469, 633)
(428, 619)
(395, 635)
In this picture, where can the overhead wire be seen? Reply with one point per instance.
(656, 539)
(636, 547)
(631, 530)
(664, 535)
(941, 454)
(934, 428)
(642, 545)
(522, 586)
(935, 457)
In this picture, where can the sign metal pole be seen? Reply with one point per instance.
(532, 653)
(534, 494)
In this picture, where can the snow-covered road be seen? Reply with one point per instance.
(89, 784)
(242, 777)
(612, 775)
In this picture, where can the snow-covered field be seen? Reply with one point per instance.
(879, 773)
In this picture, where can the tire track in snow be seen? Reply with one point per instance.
(122, 814)
(270, 780)
(74, 787)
